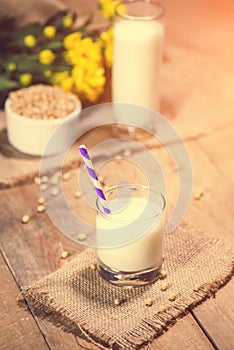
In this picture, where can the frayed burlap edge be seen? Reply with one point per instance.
(147, 330)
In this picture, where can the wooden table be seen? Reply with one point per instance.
(198, 99)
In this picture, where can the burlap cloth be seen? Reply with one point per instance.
(78, 300)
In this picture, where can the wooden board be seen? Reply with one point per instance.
(188, 335)
(214, 174)
(197, 99)
(34, 250)
(216, 317)
(214, 211)
(185, 104)
(16, 323)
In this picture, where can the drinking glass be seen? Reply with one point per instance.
(129, 239)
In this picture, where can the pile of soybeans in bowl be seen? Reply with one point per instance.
(34, 113)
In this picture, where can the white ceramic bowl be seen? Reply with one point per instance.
(31, 136)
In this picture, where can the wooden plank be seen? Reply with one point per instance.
(185, 98)
(188, 335)
(50, 247)
(33, 250)
(18, 328)
(189, 101)
(216, 317)
(219, 150)
(198, 102)
(214, 174)
(196, 80)
(214, 211)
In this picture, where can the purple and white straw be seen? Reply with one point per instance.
(93, 176)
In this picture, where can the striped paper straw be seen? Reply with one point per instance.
(93, 176)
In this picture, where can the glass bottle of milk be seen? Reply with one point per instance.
(138, 41)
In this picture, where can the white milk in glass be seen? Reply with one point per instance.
(137, 58)
(142, 253)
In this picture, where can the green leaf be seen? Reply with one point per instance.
(7, 84)
(54, 45)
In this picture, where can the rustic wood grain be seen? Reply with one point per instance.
(185, 103)
(219, 149)
(18, 328)
(216, 317)
(42, 244)
(34, 250)
(197, 98)
(190, 101)
(214, 212)
(188, 335)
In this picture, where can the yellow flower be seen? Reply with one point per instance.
(46, 56)
(49, 32)
(63, 80)
(107, 8)
(86, 77)
(30, 40)
(107, 45)
(89, 82)
(78, 76)
(11, 66)
(58, 77)
(67, 21)
(83, 51)
(25, 79)
(47, 73)
(71, 40)
(67, 84)
(122, 9)
(91, 49)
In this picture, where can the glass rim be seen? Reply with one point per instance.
(136, 186)
(140, 18)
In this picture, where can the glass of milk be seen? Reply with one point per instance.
(138, 42)
(129, 239)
